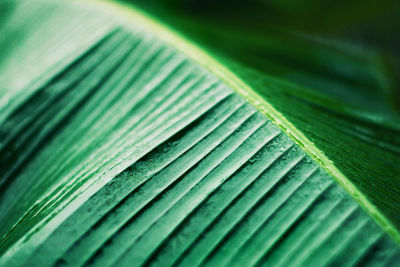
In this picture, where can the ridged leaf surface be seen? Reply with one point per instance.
(119, 149)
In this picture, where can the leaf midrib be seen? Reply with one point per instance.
(200, 55)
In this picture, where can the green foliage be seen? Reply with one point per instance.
(342, 96)
(123, 144)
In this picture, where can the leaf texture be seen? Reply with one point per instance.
(124, 151)
(333, 91)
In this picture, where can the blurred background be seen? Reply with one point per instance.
(347, 47)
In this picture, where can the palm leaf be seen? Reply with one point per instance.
(123, 143)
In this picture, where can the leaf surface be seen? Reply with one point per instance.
(124, 144)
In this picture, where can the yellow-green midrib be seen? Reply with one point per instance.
(146, 157)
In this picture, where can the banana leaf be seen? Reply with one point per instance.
(125, 143)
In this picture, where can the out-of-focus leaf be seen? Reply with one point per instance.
(122, 143)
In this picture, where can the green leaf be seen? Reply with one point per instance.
(122, 143)
(342, 90)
